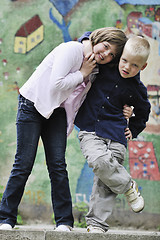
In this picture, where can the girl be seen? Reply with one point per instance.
(41, 113)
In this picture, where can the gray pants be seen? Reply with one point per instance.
(111, 178)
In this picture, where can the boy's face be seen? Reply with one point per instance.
(104, 52)
(130, 65)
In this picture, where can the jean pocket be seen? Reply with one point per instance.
(26, 111)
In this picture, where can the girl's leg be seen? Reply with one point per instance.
(28, 132)
(54, 139)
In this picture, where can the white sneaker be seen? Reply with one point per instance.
(93, 229)
(5, 226)
(134, 198)
(63, 228)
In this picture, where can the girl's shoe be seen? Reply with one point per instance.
(134, 198)
(63, 228)
(5, 226)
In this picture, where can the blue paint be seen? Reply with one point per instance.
(138, 2)
(64, 6)
(62, 26)
(145, 20)
(85, 182)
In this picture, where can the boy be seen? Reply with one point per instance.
(102, 131)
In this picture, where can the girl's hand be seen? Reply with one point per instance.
(128, 134)
(88, 65)
(127, 111)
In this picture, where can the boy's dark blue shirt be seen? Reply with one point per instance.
(102, 110)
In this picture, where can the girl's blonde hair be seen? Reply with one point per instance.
(112, 35)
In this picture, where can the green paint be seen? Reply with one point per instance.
(89, 16)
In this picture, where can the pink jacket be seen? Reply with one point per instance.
(75, 100)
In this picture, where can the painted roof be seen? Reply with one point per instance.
(145, 20)
(139, 2)
(28, 27)
(153, 88)
(134, 14)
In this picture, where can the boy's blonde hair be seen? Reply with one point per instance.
(138, 46)
(112, 35)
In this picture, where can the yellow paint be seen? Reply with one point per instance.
(20, 45)
(35, 38)
(35, 197)
(25, 44)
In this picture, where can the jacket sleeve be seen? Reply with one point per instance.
(137, 122)
(84, 36)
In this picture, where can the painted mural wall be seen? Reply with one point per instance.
(30, 29)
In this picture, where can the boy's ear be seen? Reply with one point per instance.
(144, 66)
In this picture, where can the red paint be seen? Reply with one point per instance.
(142, 161)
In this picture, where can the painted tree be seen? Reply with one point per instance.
(63, 7)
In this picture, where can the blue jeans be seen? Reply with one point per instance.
(30, 127)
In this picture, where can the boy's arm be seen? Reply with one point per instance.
(127, 111)
(137, 123)
(128, 134)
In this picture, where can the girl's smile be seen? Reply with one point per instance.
(104, 52)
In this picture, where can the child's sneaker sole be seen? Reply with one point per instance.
(93, 229)
(134, 198)
(63, 228)
(5, 226)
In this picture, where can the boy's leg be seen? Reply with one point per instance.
(54, 134)
(111, 177)
(28, 131)
(106, 163)
(106, 158)
(100, 206)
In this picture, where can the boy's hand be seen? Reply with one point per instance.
(127, 111)
(88, 65)
(128, 134)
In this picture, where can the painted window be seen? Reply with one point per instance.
(20, 50)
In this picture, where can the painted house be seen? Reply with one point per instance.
(145, 26)
(142, 160)
(132, 20)
(156, 31)
(150, 11)
(29, 35)
(157, 15)
(119, 24)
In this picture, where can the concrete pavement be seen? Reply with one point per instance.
(46, 232)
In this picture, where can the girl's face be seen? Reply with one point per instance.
(104, 52)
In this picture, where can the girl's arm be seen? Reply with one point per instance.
(69, 69)
(88, 65)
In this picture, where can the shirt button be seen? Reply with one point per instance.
(107, 97)
(103, 107)
(116, 86)
(98, 120)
